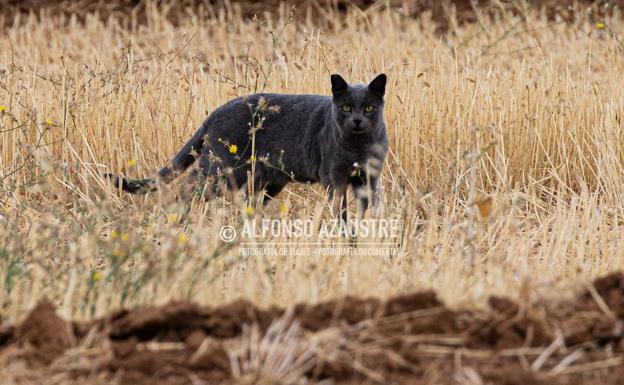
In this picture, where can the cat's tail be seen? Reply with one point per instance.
(180, 162)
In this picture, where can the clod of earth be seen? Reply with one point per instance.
(406, 339)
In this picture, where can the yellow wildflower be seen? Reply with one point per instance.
(3, 108)
(182, 239)
(600, 25)
(249, 210)
(252, 158)
(283, 208)
(49, 122)
(118, 253)
(96, 276)
(125, 237)
(132, 163)
(173, 218)
(233, 149)
(114, 234)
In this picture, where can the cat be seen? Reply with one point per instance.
(337, 141)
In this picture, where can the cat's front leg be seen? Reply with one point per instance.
(338, 200)
(366, 195)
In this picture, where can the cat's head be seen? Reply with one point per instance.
(358, 108)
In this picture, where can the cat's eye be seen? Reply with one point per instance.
(346, 108)
(369, 109)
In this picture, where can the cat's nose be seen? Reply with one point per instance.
(357, 121)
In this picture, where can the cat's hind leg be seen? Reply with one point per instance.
(271, 190)
(268, 183)
(218, 177)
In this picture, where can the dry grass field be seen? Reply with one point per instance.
(505, 162)
(504, 169)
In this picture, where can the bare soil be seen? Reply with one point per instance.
(444, 12)
(411, 339)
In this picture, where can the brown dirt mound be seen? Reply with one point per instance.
(412, 339)
(45, 334)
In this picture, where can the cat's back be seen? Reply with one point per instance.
(269, 102)
(281, 114)
(283, 103)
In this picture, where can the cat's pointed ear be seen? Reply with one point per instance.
(339, 85)
(378, 85)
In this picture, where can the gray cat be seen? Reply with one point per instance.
(337, 141)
